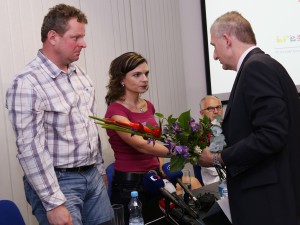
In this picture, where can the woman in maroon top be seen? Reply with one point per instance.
(134, 156)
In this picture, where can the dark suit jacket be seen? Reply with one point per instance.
(262, 129)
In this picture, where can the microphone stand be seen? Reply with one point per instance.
(168, 212)
(188, 194)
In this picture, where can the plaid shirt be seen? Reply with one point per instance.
(49, 110)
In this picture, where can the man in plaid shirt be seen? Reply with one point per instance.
(59, 148)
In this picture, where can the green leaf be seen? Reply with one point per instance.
(171, 120)
(177, 163)
(184, 119)
(206, 119)
(160, 115)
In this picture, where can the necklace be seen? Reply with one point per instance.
(141, 109)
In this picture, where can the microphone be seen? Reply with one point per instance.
(176, 177)
(184, 219)
(153, 183)
(170, 188)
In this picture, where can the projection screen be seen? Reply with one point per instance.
(277, 31)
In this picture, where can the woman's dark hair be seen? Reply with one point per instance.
(119, 67)
(58, 17)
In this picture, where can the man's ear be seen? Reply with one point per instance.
(227, 39)
(52, 35)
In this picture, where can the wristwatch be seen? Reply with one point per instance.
(216, 161)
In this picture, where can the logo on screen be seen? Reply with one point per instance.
(288, 38)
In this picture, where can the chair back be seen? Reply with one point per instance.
(197, 172)
(109, 173)
(10, 213)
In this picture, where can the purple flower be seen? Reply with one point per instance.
(182, 150)
(149, 140)
(193, 125)
(175, 128)
(165, 130)
(170, 145)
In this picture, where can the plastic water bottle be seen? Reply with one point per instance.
(135, 210)
(223, 189)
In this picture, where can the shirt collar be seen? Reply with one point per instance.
(51, 68)
(243, 57)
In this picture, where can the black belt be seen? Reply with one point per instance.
(75, 169)
(130, 176)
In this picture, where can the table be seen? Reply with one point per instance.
(215, 215)
(210, 188)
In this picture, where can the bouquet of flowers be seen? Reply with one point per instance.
(183, 136)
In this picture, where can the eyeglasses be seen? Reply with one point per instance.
(212, 109)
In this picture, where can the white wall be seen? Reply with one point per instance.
(193, 53)
(166, 32)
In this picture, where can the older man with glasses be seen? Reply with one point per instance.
(210, 106)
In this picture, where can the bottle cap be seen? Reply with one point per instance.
(134, 194)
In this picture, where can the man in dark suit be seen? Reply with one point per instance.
(262, 129)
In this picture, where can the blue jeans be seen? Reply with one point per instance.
(87, 198)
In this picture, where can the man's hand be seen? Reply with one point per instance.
(59, 216)
(206, 158)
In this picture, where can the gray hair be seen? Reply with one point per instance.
(233, 23)
(205, 98)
